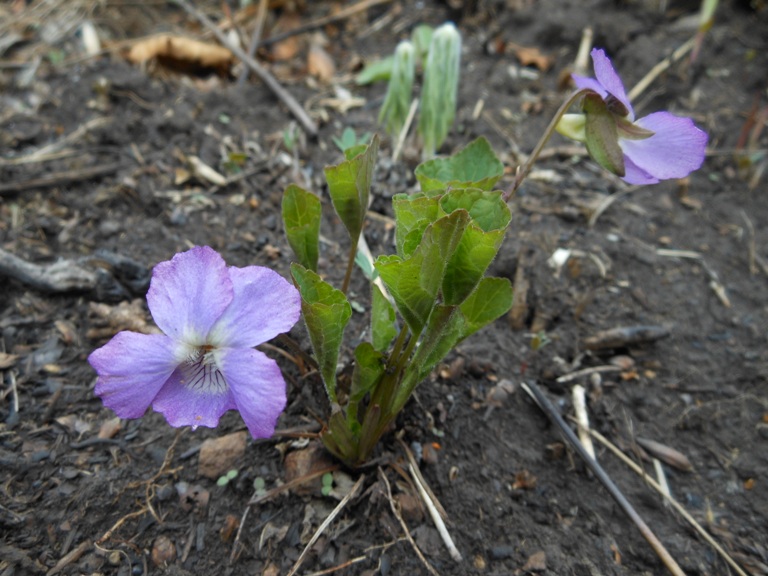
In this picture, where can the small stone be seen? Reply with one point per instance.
(410, 507)
(299, 463)
(220, 455)
(537, 562)
(502, 551)
(480, 563)
(163, 552)
(110, 428)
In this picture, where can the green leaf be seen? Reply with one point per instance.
(397, 102)
(491, 299)
(475, 166)
(602, 135)
(415, 282)
(326, 312)
(354, 151)
(466, 268)
(349, 185)
(449, 325)
(422, 38)
(440, 88)
(369, 366)
(479, 244)
(301, 217)
(412, 215)
(487, 209)
(377, 71)
(383, 328)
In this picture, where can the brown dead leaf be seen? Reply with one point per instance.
(109, 320)
(110, 428)
(524, 480)
(178, 51)
(228, 530)
(288, 48)
(320, 64)
(533, 57)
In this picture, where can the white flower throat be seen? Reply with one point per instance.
(200, 371)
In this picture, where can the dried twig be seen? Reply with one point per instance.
(607, 202)
(59, 178)
(256, 499)
(326, 523)
(582, 418)
(404, 130)
(554, 415)
(60, 276)
(73, 556)
(320, 22)
(296, 109)
(50, 151)
(435, 515)
(714, 280)
(675, 504)
(255, 39)
(751, 244)
(436, 510)
(404, 526)
(586, 372)
(657, 70)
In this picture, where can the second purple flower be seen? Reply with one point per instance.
(656, 147)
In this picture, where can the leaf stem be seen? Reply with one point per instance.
(398, 346)
(522, 171)
(350, 264)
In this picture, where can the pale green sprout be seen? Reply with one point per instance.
(259, 486)
(349, 139)
(227, 478)
(394, 111)
(441, 85)
(327, 484)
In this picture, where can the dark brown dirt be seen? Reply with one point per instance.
(509, 488)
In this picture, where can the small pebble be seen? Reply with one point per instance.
(502, 551)
(163, 551)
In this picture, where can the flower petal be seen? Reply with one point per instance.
(184, 406)
(257, 386)
(608, 78)
(584, 83)
(132, 369)
(264, 305)
(675, 150)
(635, 175)
(189, 293)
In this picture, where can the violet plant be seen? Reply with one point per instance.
(446, 237)
(425, 299)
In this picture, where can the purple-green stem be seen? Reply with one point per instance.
(350, 264)
(523, 170)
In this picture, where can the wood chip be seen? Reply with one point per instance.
(625, 336)
(666, 454)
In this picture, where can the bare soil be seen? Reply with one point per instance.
(686, 257)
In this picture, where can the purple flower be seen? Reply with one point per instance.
(204, 362)
(656, 147)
